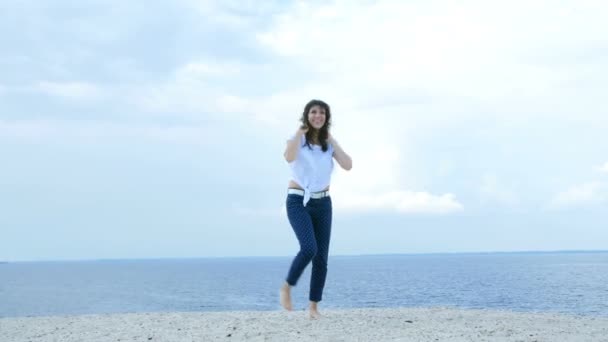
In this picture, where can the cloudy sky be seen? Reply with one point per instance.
(156, 129)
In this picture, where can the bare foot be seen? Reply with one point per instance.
(285, 296)
(314, 312)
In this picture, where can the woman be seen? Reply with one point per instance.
(310, 153)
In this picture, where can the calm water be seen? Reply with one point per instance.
(575, 283)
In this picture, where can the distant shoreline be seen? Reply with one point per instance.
(331, 256)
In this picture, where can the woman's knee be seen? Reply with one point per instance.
(319, 261)
(309, 252)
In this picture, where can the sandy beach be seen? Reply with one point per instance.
(403, 324)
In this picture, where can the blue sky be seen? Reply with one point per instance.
(148, 130)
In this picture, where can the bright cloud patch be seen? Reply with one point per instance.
(377, 183)
(493, 190)
(56, 130)
(193, 88)
(591, 192)
(250, 212)
(457, 49)
(400, 201)
(198, 70)
(72, 90)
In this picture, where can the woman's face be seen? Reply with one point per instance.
(316, 117)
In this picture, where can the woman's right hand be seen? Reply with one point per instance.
(291, 151)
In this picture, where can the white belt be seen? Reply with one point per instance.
(317, 194)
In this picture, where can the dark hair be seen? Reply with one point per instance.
(324, 131)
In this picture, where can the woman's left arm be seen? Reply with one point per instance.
(341, 157)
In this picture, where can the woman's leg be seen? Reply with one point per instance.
(322, 219)
(301, 223)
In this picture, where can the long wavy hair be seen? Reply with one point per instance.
(323, 131)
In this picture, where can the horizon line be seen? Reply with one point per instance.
(285, 256)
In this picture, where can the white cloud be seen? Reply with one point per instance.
(466, 49)
(200, 70)
(400, 71)
(581, 194)
(400, 202)
(70, 90)
(194, 89)
(391, 53)
(90, 131)
(494, 191)
(381, 176)
(233, 14)
(251, 212)
(603, 168)
(388, 69)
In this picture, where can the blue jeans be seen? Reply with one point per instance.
(312, 226)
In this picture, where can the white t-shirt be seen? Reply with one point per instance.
(312, 167)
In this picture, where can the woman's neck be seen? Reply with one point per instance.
(314, 137)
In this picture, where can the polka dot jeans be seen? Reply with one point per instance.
(312, 226)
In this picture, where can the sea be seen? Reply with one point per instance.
(573, 283)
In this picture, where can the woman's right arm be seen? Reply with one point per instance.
(293, 146)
